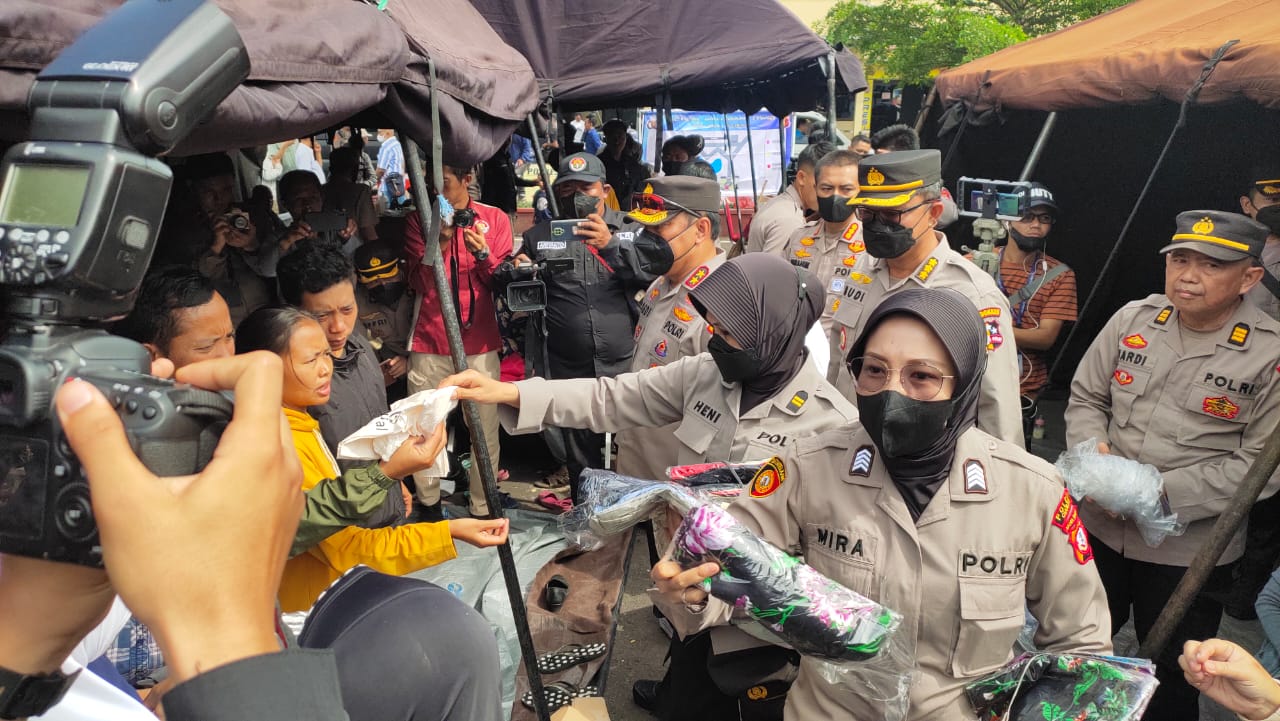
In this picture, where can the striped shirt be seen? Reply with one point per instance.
(1055, 300)
(390, 159)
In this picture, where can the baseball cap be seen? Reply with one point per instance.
(585, 167)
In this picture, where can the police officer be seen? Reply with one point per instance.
(772, 225)
(1261, 201)
(1185, 381)
(386, 312)
(899, 207)
(917, 509)
(681, 218)
(586, 330)
(829, 246)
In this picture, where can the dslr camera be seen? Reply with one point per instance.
(527, 291)
(464, 218)
(81, 204)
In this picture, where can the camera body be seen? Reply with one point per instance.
(80, 207)
(464, 218)
(527, 291)
(326, 222)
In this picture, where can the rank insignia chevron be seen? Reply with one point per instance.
(862, 461)
(975, 476)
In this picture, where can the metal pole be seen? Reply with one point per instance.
(1224, 530)
(1038, 149)
(923, 115)
(453, 330)
(831, 96)
(657, 142)
(783, 160)
(964, 122)
(733, 175)
(751, 158)
(542, 167)
(1187, 101)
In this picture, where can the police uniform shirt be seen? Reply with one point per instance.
(869, 282)
(772, 225)
(386, 327)
(669, 329)
(1259, 294)
(1197, 410)
(830, 252)
(1000, 535)
(691, 395)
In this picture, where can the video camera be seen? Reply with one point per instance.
(80, 208)
(529, 293)
(990, 202)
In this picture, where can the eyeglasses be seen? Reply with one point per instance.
(920, 381)
(1042, 218)
(888, 217)
(655, 208)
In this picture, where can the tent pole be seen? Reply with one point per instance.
(1188, 100)
(783, 160)
(925, 109)
(453, 330)
(831, 95)
(542, 167)
(1038, 149)
(751, 158)
(657, 142)
(733, 175)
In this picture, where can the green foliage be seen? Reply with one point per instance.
(910, 39)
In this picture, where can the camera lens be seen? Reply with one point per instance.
(239, 221)
(464, 218)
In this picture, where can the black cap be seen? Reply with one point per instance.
(375, 261)
(581, 166)
(1225, 236)
(688, 192)
(1039, 196)
(890, 179)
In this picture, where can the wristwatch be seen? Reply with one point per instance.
(481, 254)
(23, 695)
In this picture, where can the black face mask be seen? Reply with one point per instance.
(653, 252)
(835, 208)
(673, 167)
(736, 364)
(902, 426)
(1026, 243)
(886, 241)
(1270, 217)
(387, 293)
(577, 206)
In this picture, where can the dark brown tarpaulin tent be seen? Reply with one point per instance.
(1116, 81)
(315, 68)
(723, 56)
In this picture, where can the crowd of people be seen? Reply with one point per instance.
(844, 334)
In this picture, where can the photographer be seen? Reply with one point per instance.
(474, 240)
(587, 329)
(302, 195)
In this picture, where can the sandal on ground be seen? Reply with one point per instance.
(548, 499)
(570, 656)
(559, 694)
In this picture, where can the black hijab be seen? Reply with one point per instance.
(954, 320)
(768, 305)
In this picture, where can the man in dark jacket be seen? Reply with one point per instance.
(588, 327)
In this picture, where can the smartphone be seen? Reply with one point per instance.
(326, 221)
(1008, 196)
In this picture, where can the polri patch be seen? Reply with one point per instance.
(1123, 377)
(682, 315)
(660, 350)
(1134, 341)
(863, 459)
(1239, 335)
(857, 246)
(1067, 519)
(850, 261)
(975, 477)
(991, 322)
(798, 400)
(835, 305)
(768, 479)
(807, 242)
(802, 253)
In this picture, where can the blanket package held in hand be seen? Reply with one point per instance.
(1123, 486)
(799, 606)
(417, 415)
(1065, 687)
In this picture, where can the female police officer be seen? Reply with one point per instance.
(921, 511)
(751, 396)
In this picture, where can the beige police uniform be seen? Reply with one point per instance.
(869, 282)
(829, 252)
(1199, 412)
(669, 329)
(1000, 535)
(691, 396)
(774, 223)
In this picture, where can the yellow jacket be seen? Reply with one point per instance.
(396, 551)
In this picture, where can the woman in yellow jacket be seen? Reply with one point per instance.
(300, 342)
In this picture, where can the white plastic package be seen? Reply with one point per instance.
(1123, 486)
(417, 415)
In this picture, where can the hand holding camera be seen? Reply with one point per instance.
(235, 229)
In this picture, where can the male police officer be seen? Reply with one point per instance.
(899, 206)
(587, 329)
(773, 224)
(829, 246)
(1185, 381)
(680, 213)
(1262, 203)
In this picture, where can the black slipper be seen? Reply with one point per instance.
(555, 593)
(570, 656)
(559, 693)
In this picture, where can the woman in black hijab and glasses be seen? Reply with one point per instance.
(919, 510)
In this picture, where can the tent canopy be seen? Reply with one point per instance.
(722, 56)
(1139, 53)
(311, 72)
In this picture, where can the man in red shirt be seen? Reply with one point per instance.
(471, 254)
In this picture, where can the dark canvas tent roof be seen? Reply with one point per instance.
(723, 55)
(1146, 50)
(314, 70)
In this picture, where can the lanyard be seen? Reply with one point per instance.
(1021, 309)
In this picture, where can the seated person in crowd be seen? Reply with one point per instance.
(385, 305)
(301, 195)
(302, 345)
